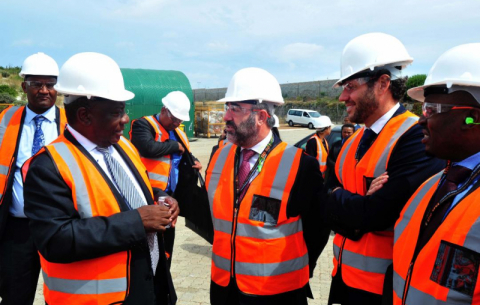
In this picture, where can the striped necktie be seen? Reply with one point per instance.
(132, 197)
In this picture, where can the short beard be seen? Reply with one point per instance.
(244, 134)
(365, 106)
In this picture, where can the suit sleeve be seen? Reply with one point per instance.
(311, 148)
(143, 137)
(305, 201)
(408, 167)
(59, 233)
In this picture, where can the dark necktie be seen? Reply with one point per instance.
(365, 142)
(38, 136)
(132, 197)
(244, 170)
(436, 211)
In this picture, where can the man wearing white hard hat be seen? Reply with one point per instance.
(264, 196)
(24, 130)
(436, 256)
(162, 144)
(90, 202)
(390, 141)
(317, 145)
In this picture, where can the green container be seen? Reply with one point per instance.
(150, 86)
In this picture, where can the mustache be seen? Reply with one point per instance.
(231, 124)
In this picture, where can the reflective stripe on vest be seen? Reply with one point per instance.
(322, 154)
(10, 131)
(364, 262)
(102, 280)
(460, 229)
(255, 273)
(159, 168)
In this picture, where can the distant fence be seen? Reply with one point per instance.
(310, 90)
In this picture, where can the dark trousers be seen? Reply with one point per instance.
(340, 293)
(169, 240)
(19, 264)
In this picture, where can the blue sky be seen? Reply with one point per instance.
(210, 40)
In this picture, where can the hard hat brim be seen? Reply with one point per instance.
(417, 93)
(239, 100)
(120, 96)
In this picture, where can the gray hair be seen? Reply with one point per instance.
(270, 110)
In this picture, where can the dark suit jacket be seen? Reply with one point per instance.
(62, 236)
(332, 159)
(408, 167)
(304, 200)
(6, 200)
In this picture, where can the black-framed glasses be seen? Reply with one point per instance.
(39, 85)
(236, 109)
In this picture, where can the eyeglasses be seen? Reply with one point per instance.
(353, 84)
(174, 119)
(429, 109)
(236, 109)
(39, 85)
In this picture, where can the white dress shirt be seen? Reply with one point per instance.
(50, 132)
(98, 156)
(258, 148)
(381, 122)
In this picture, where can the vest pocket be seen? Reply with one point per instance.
(456, 268)
(265, 209)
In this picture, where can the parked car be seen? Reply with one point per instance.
(303, 117)
(334, 136)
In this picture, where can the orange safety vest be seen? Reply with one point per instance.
(10, 132)
(364, 262)
(159, 168)
(102, 280)
(322, 153)
(264, 257)
(416, 281)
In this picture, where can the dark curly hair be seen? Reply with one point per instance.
(397, 87)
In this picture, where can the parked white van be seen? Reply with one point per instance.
(304, 117)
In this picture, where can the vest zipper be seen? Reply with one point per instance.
(407, 282)
(232, 241)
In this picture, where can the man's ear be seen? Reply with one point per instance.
(24, 87)
(383, 83)
(262, 117)
(83, 116)
(472, 119)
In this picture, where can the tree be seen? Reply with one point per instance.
(414, 81)
(6, 98)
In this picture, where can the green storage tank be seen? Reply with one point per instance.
(150, 86)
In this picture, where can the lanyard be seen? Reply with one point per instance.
(257, 168)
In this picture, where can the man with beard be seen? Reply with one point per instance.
(264, 197)
(389, 142)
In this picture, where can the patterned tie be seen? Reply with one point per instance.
(133, 199)
(38, 137)
(244, 170)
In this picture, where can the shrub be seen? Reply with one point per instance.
(6, 98)
(414, 81)
(5, 74)
(8, 90)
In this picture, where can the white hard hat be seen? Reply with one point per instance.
(322, 122)
(39, 64)
(253, 84)
(277, 121)
(454, 70)
(178, 104)
(369, 51)
(92, 74)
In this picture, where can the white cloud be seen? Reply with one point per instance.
(300, 51)
(22, 43)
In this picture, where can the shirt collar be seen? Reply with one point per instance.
(49, 115)
(86, 143)
(260, 146)
(470, 162)
(381, 122)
